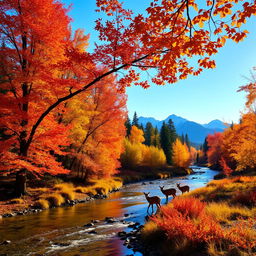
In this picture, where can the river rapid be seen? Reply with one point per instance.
(63, 232)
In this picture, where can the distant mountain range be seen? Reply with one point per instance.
(195, 131)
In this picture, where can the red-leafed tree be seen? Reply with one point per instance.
(214, 152)
(37, 55)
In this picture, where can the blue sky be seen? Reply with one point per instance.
(211, 95)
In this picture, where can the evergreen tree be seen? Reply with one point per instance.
(165, 139)
(205, 146)
(187, 141)
(155, 139)
(182, 139)
(128, 126)
(135, 120)
(149, 133)
(173, 134)
(141, 127)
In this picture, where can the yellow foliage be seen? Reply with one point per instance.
(153, 157)
(239, 142)
(181, 155)
(132, 155)
(136, 135)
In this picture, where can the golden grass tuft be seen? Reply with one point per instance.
(42, 204)
(55, 199)
(17, 201)
(223, 212)
(163, 175)
(64, 187)
(68, 195)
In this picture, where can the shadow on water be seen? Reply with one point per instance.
(61, 231)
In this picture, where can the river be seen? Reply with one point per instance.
(62, 232)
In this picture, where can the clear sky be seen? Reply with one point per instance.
(211, 95)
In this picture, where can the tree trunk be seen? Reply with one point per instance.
(21, 183)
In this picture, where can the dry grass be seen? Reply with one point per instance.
(101, 187)
(42, 204)
(163, 175)
(55, 199)
(226, 213)
(17, 201)
(64, 187)
(68, 195)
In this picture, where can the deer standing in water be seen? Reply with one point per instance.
(152, 200)
(168, 192)
(183, 189)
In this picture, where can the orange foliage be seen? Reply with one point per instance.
(34, 37)
(136, 135)
(214, 153)
(187, 219)
(96, 144)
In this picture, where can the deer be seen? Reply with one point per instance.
(168, 192)
(183, 189)
(152, 200)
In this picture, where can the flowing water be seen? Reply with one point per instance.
(61, 231)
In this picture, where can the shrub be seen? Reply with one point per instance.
(247, 198)
(55, 199)
(190, 206)
(187, 219)
(41, 204)
(68, 195)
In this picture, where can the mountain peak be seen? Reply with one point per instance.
(196, 132)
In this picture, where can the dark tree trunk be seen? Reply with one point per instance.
(21, 183)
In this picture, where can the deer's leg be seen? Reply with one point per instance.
(148, 207)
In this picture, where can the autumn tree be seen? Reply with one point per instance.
(214, 152)
(36, 51)
(181, 155)
(155, 138)
(239, 143)
(138, 154)
(96, 145)
(137, 135)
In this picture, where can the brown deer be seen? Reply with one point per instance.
(152, 200)
(168, 192)
(183, 189)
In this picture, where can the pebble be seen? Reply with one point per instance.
(92, 232)
(110, 220)
(5, 242)
(89, 225)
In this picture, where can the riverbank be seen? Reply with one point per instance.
(69, 194)
(219, 219)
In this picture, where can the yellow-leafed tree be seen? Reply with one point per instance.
(181, 156)
(137, 135)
